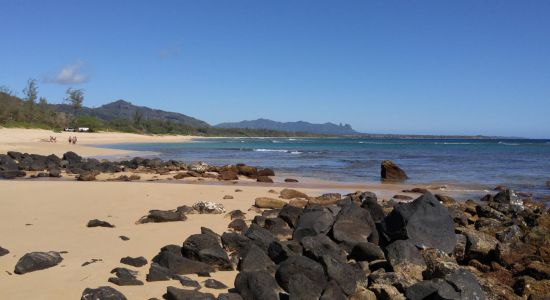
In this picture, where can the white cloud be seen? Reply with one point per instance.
(71, 74)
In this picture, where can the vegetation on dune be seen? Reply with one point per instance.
(25, 112)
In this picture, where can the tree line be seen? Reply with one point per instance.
(32, 111)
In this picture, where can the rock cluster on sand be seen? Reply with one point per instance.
(16, 164)
(391, 171)
(354, 248)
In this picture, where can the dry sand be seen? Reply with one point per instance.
(36, 141)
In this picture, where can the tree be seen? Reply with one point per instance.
(75, 97)
(31, 94)
(138, 118)
(31, 91)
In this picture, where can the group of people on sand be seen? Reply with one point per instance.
(72, 139)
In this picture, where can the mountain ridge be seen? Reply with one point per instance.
(122, 109)
(297, 126)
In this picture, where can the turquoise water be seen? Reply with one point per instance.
(523, 164)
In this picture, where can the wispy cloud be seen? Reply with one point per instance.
(70, 74)
(170, 52)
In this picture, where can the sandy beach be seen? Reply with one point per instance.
(36, 141)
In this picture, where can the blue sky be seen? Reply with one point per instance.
(436, 67)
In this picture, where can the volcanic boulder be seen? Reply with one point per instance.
(424, 222)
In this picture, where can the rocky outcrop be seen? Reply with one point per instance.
(16, 164)
(352, 247)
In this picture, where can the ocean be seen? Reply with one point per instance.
(523, 164)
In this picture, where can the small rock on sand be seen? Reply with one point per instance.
(290, 194)
(99, 223)
(35, 261)
(209, 207)
(134, 261)
(266, 202)
(3, 251)
(227, 197)
(214, 284)
(102, 292)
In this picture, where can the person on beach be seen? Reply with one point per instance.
(74, 140)
(70, 140)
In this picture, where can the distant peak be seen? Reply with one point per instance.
(120, 101)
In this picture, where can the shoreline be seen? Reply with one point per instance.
(90, 146)
(36, 141)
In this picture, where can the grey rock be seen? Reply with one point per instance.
(134, 261)
(320, 245)
(102, 293)
(206, 248)
(256, 260)
(187, 282)
(214, 284)
(35, 261)
(300, 265)
(302, 287)
(425, 222)
(366, 251)
(259, 285)
(342, 273)
(99, 223)
(312, 223)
